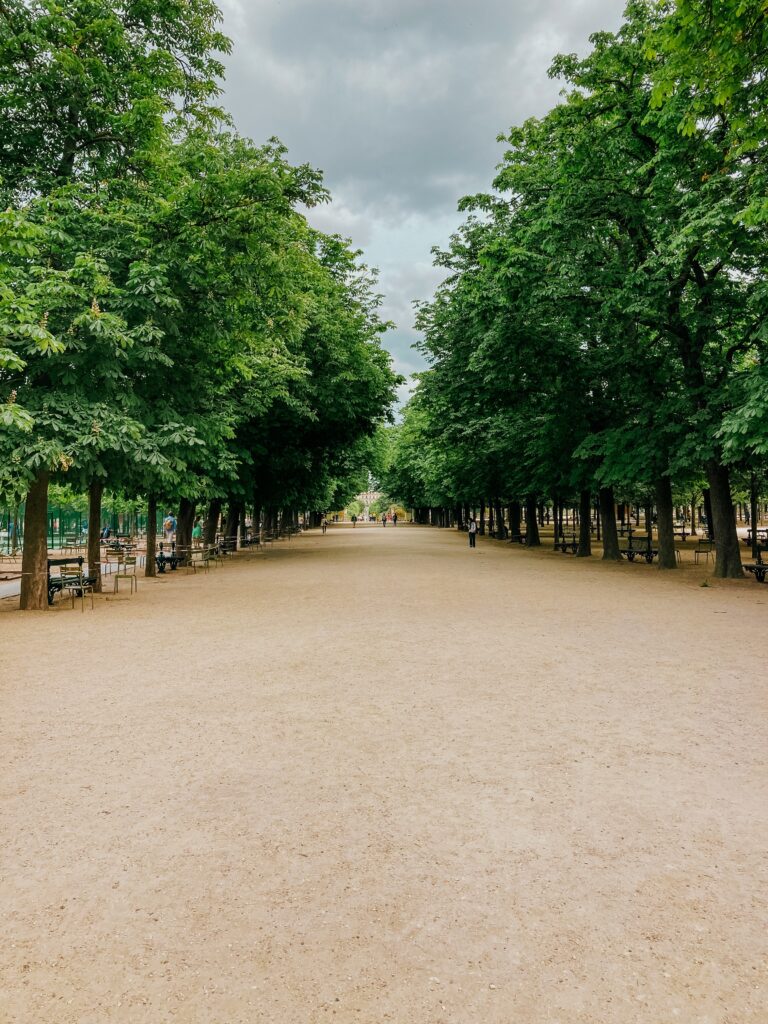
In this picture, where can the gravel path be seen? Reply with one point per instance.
(375, 776)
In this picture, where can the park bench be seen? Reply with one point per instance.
(71, 577)
(566, 544)
(200, 558)
(758, 569)
(227, 545)
(633, 550)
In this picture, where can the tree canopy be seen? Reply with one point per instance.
(171, 324)
(602, 324)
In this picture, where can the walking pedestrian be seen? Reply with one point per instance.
(384, 519)
(354, 522)
(169, 526)
(324, 524)
(394, 518)
(472, 530)
(197, 533)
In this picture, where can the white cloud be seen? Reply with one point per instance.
(399, 102)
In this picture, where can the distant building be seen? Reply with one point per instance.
(368, 497)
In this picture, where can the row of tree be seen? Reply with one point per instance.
(170, 324)
(602, 326)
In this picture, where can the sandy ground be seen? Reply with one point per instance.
(375, 776)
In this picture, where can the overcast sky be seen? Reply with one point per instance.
(399, 103)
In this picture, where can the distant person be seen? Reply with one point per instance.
(472, 530)
(106, 533)
(324, 524)
(384, 519)
(197, 533)
(169, 527)
(354, 522)
(394, 518)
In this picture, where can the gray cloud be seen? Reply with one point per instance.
(399, 102)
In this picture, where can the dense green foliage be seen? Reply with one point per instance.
(602, 325)
(172, 326)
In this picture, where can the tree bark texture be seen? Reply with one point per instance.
(150, 562)
(34, 559)
(706, 497)
(611, 552)
(727, 553)
(513, 512)
(95, 491)
(232, 524)
(585, 525)
(500, 530)
(212, 522)
(532, 539)
(666, 523)
(753, 514)
(184, 529)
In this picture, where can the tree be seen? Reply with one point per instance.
(89, 86)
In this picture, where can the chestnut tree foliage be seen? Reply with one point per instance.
(602, 326)
(171, 326)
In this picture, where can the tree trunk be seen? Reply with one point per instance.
(532, 539)
(707, 498)
(611, 552)
(513, 514)
(481, 524)
(232, 524)
(727, 554)
(666, 523)
(15, 532)
(555, 523)
(753, 512)
(501, 527)
(184, 529)
(150, 562)
(212, 523)
(585, 525)
(693, 515)
(95, 492)
(34, 558)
